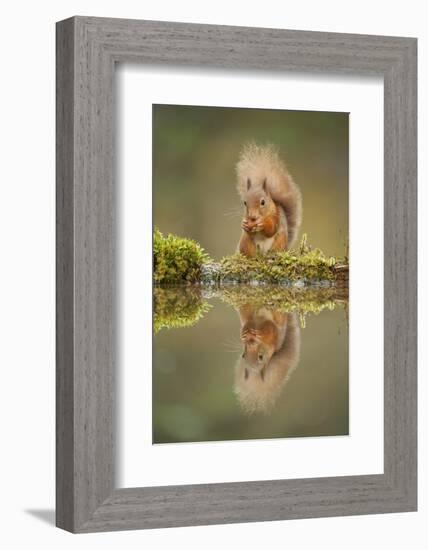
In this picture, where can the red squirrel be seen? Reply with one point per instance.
(272, 201)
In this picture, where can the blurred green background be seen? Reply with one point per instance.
(195, 150)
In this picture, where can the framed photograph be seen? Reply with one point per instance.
(236, 274)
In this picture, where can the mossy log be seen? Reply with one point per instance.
(283, 269)
(183, 261)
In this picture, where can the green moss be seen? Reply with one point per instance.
(178, 307)
(176, 260)
(279, 267)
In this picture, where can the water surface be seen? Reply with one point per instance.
(248, 370)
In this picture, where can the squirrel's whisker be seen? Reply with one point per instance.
(236, 214)
(231, 346)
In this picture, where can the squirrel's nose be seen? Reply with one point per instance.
(253, 218)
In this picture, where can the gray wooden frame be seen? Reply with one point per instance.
(87, 50)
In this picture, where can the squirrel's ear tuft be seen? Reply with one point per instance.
(264, 184)
(248, 183)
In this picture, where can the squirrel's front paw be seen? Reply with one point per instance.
(246, 226)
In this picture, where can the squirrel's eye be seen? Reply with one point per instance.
(245, 203)
(260, 357)
(262, 202)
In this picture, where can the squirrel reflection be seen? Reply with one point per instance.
(271, 341)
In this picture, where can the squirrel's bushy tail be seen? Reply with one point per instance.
(259, 162)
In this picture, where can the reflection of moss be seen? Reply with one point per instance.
(178, 307)
(176, 259)
(286, 300)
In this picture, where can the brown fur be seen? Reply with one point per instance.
(272, 201)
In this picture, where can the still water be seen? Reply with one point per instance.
(225, 370)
